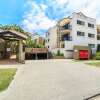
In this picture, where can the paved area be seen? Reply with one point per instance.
(53, 80)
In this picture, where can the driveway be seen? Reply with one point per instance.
(53, 80)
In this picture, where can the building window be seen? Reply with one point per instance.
(91, 35)
(91, 45)
(47, 34)
(98, 37)
(48, 46)
(98, 48)
(62, 45)
(80, 22)
(45, 41)
(66, 26)
(48, 40)
(80, 33)
(90, 25)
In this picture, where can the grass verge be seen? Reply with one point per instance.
(6, 76)
(94, 63)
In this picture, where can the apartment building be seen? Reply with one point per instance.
(72, 35)
(98, 37)
(38, 39)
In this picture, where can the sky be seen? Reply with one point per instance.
(40, 15)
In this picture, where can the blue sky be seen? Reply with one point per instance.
(40, 15)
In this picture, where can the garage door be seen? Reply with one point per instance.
(83, 54)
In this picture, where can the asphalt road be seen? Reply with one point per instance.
(53, 80)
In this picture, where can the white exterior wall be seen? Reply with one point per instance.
(76, 40)
(67, 54)
(84, 40)
(52, 36)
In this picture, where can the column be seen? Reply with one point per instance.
(21, 54)
(47, 55)
(36, 56)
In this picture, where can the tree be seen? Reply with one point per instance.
(14, 27)
(30, 43)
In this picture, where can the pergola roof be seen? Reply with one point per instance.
(12, 35)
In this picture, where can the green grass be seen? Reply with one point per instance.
(6, 76)
(94, 64)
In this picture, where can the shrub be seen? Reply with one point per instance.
(59, 53)
(97, 56)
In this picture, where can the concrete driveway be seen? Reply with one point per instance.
(53, 80)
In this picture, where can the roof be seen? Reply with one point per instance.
(12, 35)
(64, 21)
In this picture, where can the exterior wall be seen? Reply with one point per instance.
(69, 45)
(51, 38)
(84, 40)
(67, 53)
(38, 39)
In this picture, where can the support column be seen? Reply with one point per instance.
(21, 56)
(36, 57)
(47, 55)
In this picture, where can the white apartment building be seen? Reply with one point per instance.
(75, 30)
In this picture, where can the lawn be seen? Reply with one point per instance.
(94, 63)
(6, 76)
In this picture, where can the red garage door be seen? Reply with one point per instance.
(83, 54)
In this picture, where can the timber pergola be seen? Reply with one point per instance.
(15, 36)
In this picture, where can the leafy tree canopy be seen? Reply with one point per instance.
(14, 27)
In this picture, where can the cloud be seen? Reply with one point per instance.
(92, 9)
(43, 14)
(35, 19)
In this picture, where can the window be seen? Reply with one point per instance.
(98, 37)
(80, 33)
(80, 22)
(67, 26)
(48, 40)
(62, 45)
(45, 41)
(98, 48)
(91, 35)
(91, 45)
(48, 46)
(47, 34)
(90, 25)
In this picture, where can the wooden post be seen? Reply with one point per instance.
(21, 54)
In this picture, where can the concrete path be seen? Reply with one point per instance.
(53, 80)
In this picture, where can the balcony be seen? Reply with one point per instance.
(66, 37)
(66, 42)
(64, 21)
(66, 29)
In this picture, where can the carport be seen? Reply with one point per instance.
(36, 53)
(7, 37)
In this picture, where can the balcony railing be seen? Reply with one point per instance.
(69, 38)
(65, 30)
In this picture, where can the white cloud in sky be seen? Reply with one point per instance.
(36, 19)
